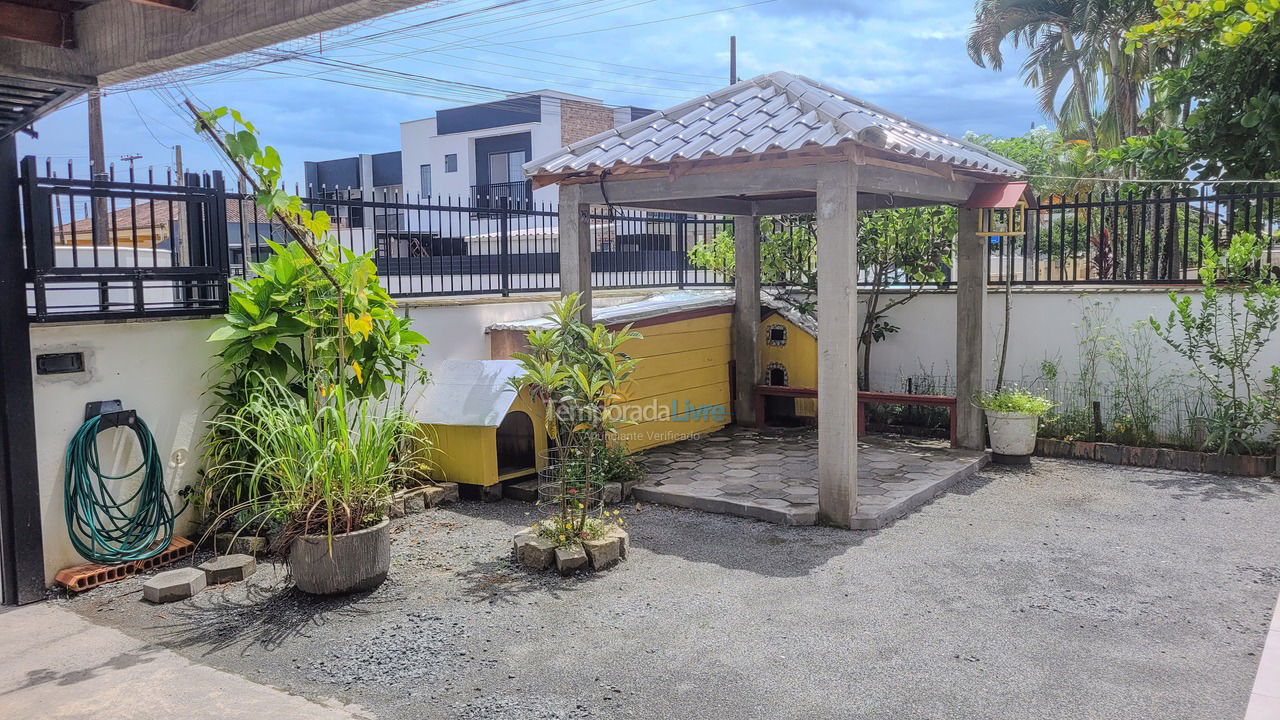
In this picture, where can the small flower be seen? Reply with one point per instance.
(359, 373)
(573, 490)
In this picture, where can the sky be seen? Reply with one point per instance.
(312, 103)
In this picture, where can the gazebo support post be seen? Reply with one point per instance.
(575, 247)
(971, 296)
(746, 316)
(837, 216)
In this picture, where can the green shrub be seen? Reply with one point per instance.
(1015, 400)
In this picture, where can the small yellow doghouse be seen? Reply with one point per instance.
(483, 431)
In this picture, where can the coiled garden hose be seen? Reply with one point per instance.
(109, 531)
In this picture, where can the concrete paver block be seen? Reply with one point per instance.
(414, 503)
(228, 568)
(450, 491)
(612, 493)
(603, 552)
(233, 544)
(397, 508)
(623, 540)
(570, 559)
(534, 552)
(173, 585)
(524, 491)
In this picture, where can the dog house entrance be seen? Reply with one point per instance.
(515, 446)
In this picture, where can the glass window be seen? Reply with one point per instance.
(425, 176)
(506, 167)
(451, 162)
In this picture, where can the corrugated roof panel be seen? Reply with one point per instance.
(778, 110)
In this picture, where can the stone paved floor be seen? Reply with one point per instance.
(774, 477)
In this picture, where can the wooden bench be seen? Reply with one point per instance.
(864, 399)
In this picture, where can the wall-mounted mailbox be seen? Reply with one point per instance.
(59, 363)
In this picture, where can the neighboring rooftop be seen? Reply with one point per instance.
(778, 111)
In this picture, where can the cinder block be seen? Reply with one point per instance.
(172, 585)
(603, 552)
(432, 496)
(228, 568)
(570, 559)
(534, 552)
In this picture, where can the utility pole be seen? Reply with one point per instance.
(733, 59)
(130, 158)
(97, 165)
(179, 229)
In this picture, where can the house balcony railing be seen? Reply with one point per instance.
(501, 195)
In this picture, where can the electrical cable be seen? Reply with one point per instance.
(107, 530)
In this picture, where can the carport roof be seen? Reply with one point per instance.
(774, 112)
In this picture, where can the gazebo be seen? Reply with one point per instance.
(781, 143)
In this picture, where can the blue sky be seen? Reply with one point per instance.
(906, 56)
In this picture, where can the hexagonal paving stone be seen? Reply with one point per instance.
(740, 473)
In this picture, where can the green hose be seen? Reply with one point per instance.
(103, 529)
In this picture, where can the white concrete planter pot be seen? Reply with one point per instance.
(1013, 436)
(357, 561)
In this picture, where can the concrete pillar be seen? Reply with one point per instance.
(971, 294)
(837, 342)
(746, 316)
(575, 247)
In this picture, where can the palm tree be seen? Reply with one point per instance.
(1048, 29)
(1076, 43)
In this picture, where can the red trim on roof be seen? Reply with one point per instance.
(999, 195)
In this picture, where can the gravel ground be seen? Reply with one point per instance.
(1072, 590)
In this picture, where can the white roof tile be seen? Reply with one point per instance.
(775, 111)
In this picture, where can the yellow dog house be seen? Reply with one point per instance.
(681, 387)
(788, 358)
(483, 431)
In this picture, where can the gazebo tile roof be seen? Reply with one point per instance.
(775, 111)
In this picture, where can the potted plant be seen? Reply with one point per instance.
(304, 432)
(1013, 416)
(325, 471)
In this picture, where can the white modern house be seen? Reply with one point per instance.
(463, 157)
(475, 152)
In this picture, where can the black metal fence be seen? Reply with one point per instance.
(1114, 237)
(124, 247)
(120, 247)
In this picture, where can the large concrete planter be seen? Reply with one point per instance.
(1013, 436)
(356, 561)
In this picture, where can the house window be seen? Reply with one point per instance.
(424, 173)
(777, 335)
(451, 162)
(506, 167)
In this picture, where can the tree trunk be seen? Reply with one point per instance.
(1082, 94)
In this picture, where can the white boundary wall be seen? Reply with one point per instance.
(158, 367)
(1045, 326)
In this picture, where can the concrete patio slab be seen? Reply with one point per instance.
(773, 477)
(58, 665)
